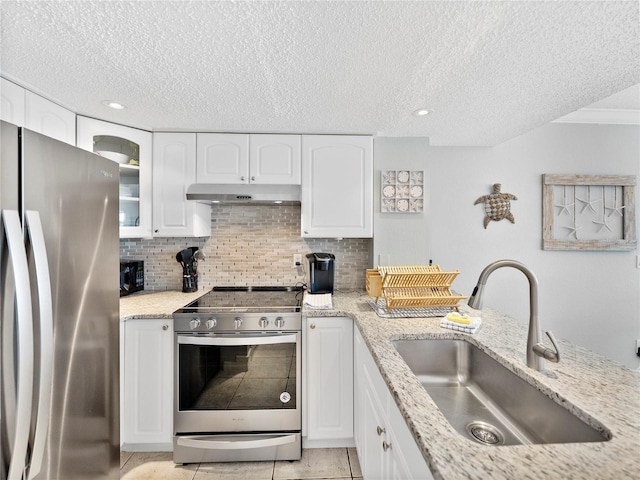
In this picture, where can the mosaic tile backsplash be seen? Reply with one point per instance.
(249, 245)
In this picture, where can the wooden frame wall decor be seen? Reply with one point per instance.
(588, 212)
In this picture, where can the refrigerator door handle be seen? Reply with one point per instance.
(22, 393)
(45, 308)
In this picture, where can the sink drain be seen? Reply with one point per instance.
(485, 433)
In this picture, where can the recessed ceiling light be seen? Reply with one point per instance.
(114, 105)
(421, 112)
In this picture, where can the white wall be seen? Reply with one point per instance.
(589, 298)
(400, 239)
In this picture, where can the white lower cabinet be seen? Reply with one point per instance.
(328, 364)
(147, 372)
(386, 448)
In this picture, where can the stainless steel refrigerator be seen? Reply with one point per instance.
(59, 310)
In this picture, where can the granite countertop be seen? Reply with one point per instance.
(592, 387)
(589, 385)
(149, 304)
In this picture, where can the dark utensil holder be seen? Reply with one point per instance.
(188, 259)
(189, 280)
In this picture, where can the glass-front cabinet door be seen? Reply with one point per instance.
(131, 148)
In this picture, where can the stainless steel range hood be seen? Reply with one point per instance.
(245, 194)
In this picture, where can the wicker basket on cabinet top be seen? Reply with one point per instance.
(413, 286)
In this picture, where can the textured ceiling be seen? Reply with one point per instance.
(489, 71)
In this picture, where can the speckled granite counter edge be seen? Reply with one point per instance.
(600, 392)
(149, 304)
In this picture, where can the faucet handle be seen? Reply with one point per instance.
(555, 345)
(543, 351)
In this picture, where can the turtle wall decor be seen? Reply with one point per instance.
(497, 205)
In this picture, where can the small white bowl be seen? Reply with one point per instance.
(115, 156)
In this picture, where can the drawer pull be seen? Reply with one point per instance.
(380, 430)
(386, 446)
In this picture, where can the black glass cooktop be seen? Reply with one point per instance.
(247, 299)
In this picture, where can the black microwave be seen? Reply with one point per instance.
(131, 277)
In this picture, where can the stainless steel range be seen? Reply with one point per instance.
(237, 376)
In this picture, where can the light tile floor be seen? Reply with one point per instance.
(316, 463)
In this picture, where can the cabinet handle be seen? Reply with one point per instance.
(253, 179)
(386, 446)
(165, 327)
(242, 178)
(156, 231)
(380, 430)
(312, 326)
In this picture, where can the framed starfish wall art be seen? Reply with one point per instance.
(402, 191)
(588, 212)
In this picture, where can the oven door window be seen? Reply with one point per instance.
(237, 372)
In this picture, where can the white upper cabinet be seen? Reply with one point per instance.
(12, 103)
(50, 119)
(274, 159)
(243, 158)
(223, 158)
(174, 169)
(131, 148)
(337, 186)
(26, 109)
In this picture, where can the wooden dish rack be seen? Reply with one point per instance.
(413, 286)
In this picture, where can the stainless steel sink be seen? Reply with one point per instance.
(486, 402)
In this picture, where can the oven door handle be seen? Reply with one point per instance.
(236, 340)
(203, 442)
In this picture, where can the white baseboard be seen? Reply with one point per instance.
(332, 443)
(147, 447)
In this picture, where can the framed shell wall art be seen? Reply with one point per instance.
(588, 212)
(402, 191)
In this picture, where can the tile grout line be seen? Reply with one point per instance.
(132, 458)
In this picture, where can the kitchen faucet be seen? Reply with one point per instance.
(536, 350)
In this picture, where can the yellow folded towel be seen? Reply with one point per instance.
(457, 318)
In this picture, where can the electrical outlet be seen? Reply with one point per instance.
(297, 260)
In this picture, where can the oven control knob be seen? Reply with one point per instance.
(195, 323)
(211, 323)
(237, 322)
(263, 322)
(279, 322)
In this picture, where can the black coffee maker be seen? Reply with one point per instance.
(321, 272)
(188, 258)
